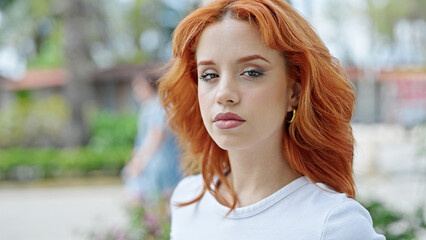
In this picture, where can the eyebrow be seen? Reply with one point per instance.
(243, 59)
(252, 57)
(208, 62)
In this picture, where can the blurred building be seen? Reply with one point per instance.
(112, 86)
(390, 95)
(403, 96)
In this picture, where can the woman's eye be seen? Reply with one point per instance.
(208, 76)
(253, 73)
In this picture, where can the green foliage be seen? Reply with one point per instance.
(108, 151)
(87, 160)
(23, 96)
(38, 123)
(385, 14)
(112, 130)
(40, 8)
(26, 26)
(25, 164)
(393, 224)
(5, 3)
(50, 52)
(42, 123)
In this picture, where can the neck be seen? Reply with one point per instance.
(150, 98)
(258, 172)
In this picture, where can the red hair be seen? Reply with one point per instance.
(317, 144)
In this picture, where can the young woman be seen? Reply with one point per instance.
(153, 170)
(263, 111)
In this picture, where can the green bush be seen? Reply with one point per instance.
(109, 149)
(396, 225)
(112, 130)
(43, 123)
(33, 123)
(28, 163)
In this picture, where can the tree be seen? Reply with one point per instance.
(83, 35)
(401, 26)
(37, 29)
(76, 17)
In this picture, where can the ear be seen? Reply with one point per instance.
(294, 90)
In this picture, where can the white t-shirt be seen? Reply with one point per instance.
(300, 210)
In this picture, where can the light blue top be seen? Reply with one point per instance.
(162, 172)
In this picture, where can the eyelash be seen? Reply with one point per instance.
(205, 76)
(251, 73)
(257, 73)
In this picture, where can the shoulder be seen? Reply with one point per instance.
(187, 189)
(344, 218)
(340, 217)
(349, 220)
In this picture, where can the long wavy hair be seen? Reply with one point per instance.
(317, 144)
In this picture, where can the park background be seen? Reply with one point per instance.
(68, 117)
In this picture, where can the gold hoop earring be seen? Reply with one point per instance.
(292, 117)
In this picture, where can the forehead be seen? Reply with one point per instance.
(232, 38)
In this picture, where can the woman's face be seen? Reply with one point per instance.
(242, 86)
(142, 89)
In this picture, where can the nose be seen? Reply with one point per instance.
(227, 93)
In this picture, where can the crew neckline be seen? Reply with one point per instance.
(260, 206)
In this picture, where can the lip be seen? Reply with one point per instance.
(228, 120)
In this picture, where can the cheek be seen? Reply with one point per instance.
(271, 102)
(204, 103)
(202, 100)
(270, 97)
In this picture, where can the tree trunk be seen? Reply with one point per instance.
(76, 16)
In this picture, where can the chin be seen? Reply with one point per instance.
(230, 143)
(228, 139)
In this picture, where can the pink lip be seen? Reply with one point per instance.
(228, 120)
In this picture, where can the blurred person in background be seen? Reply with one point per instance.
(153, 171)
